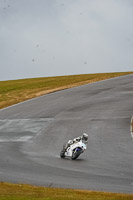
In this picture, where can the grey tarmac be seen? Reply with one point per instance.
(32, 134)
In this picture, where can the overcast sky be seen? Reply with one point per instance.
(40, 38)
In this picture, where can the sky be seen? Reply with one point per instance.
(41, 38)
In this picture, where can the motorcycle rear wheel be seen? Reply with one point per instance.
(62, 153)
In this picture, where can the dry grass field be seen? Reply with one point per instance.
(27, 192)
(15, 91)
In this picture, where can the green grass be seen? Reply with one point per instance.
(15, 91)
(25, 192)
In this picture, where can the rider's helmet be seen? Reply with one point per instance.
(85, 136)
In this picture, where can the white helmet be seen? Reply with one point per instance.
(85, 136)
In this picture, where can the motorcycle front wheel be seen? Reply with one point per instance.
(76, 154)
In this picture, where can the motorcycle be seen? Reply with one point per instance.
(74, 150)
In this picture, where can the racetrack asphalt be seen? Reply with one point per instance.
(32, 134)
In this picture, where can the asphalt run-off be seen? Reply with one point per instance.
(32, 135)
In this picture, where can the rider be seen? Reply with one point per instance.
(84, 139)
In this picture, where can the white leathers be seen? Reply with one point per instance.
(83, 138)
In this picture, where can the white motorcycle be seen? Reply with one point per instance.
(74, 150)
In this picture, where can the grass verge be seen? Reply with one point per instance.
(132, 124)
(25, 192)
(15, 91)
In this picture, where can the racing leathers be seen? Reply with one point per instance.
(84, 139)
